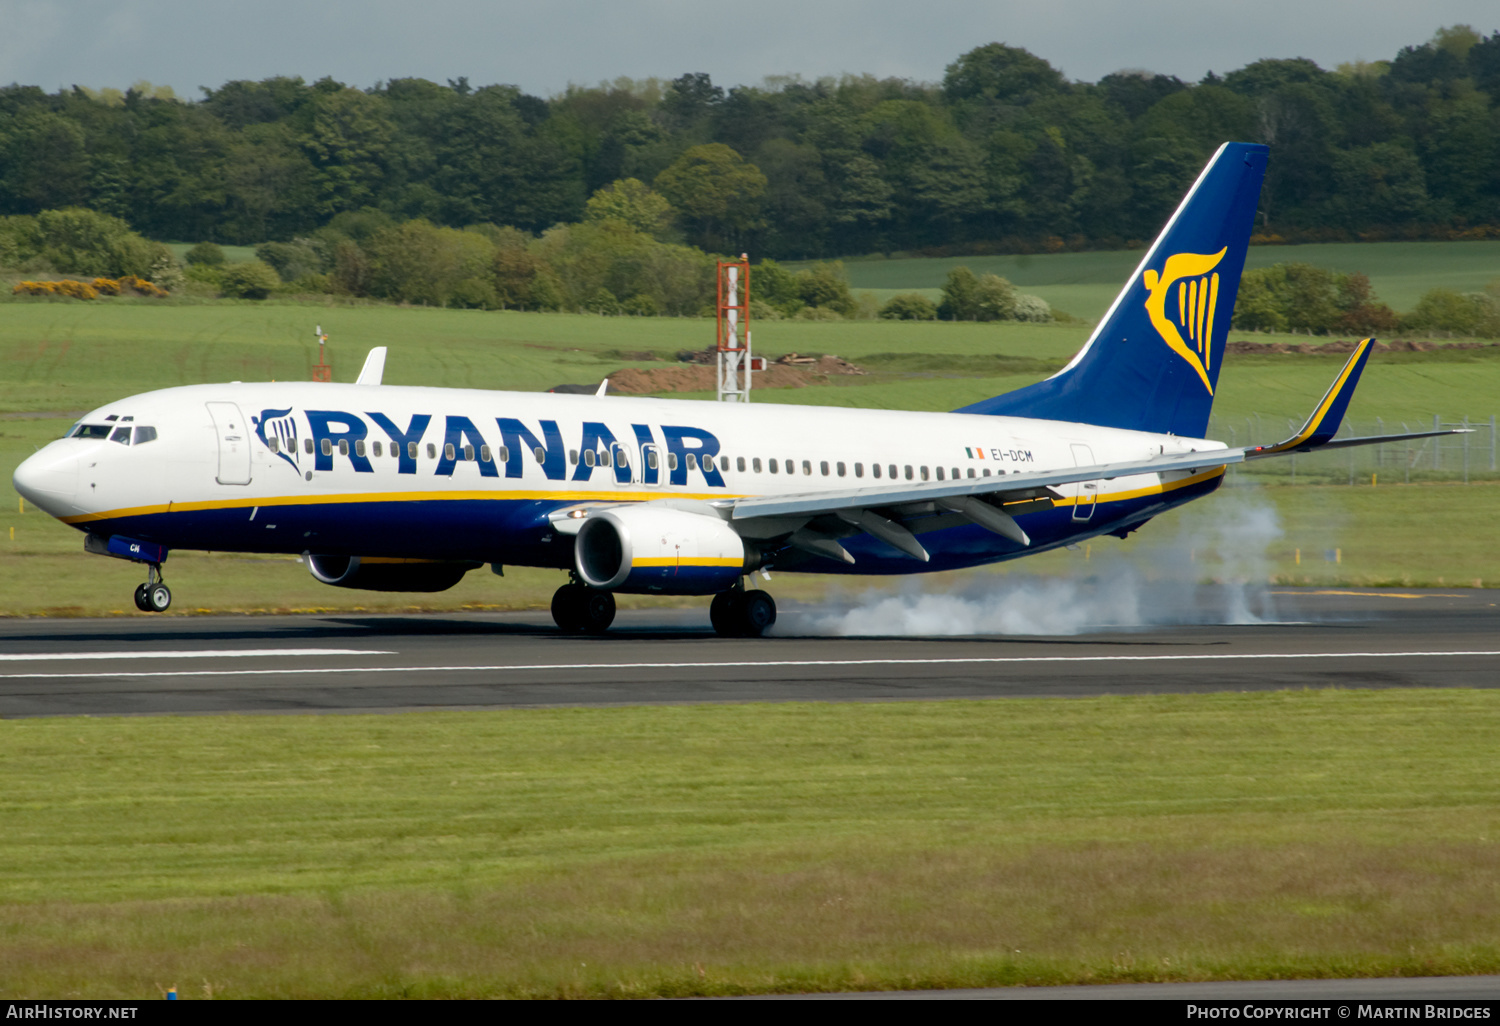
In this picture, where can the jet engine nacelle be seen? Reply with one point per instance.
(374, 574)
(664, 551)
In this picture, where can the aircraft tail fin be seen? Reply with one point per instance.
(1153, 362)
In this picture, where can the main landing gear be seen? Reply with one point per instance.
(580, 610)
(153, 596)
(738, 613)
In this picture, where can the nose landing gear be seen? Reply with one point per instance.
(153, 596)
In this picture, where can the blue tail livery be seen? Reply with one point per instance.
(1153, 362)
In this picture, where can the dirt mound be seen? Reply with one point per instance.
(700, 377)
(1347, 346)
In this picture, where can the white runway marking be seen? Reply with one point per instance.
(750, 664)
(222, 653)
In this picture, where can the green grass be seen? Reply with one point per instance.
(742, 849)
(1084, 284)
(233, 254)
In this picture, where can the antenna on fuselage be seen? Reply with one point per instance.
(323, 371)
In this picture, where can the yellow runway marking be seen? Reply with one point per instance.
(1373, 594)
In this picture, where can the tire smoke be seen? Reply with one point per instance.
(1213, 569)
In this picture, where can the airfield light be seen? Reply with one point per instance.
(324, 370)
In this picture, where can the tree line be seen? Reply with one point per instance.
(1004, 154)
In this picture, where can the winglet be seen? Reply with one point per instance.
(374, 368)
(603, 388)
(1329, 414)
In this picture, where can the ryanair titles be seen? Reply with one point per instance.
(312, 440)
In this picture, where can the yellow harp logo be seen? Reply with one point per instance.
(1197, 296)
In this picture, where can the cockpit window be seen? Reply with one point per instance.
(144, 435)
(121, 435)
(92, 430)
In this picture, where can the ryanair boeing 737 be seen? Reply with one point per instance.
(407, 489)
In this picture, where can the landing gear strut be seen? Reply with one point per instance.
(580, 610)
(153, 596)
(738, 613)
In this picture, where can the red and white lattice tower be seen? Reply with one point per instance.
(734, 330)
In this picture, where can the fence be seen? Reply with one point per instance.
(1466, 457)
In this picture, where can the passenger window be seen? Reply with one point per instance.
(484, 453)
(807, 467)
(823, 467)
(986, 471)
(692, 461)
(875, 469)
(924, 474)
(604, 457)
(121, 435)
(651, 460)
(468, 452)
(755, 464)
(859, 470)
(772, 465)
(573, 457)
(841, 469)
(540, 454)
(411, 450)
(955, 474)
(671, 461)
(589, 459)
(327, 447)
(307, 445)
(708, 463)
(622, 458)
(448, 453)
(504, 454)
(908, 472)
(971, 471)
(144, 435)
(359, 447)
(431, 450)
(939, 473)
(379, 449)
(343, 446)
(893, 471)
(739, 464)
(273, 444)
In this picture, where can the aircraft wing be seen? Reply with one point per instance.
(895, 512)
(992, 501)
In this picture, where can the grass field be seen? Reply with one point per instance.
(233, 254)
(1084, 284)
(744, 849)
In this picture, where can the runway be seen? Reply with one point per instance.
(357, 663)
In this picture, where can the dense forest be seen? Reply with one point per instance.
(1005, 154)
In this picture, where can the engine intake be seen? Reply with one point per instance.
(662, 551)
(379, 574)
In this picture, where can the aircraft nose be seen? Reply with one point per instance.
(49, 481)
